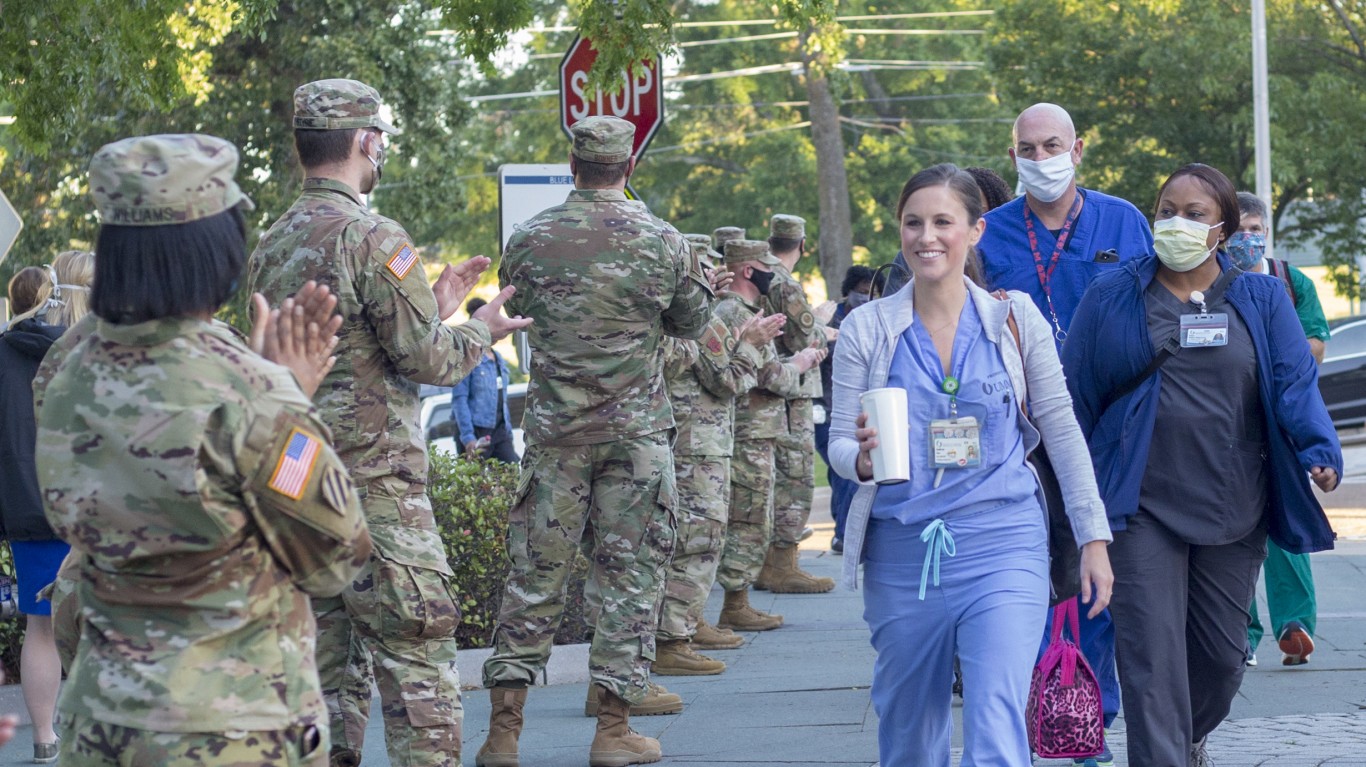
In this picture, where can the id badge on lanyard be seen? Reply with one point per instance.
(955, 443)
(1201, 330)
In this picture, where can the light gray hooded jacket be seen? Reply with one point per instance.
(863, 358)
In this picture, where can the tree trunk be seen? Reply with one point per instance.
(836, 244)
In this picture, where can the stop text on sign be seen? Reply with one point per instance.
(624, 103)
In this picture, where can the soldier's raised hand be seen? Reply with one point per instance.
(491, 314)
(719, 278)
(300, 335)
(456, 282)
(760, 329)
(825, 311)
(808, 358)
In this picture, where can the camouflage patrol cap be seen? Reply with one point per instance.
(338, 105)
(603, 139)
(724, 234)
(740, 251)
(787, 227)
(701, 245)
(166, 179)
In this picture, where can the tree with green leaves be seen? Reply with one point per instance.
(1153, 85)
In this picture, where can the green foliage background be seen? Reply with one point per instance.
(1152, 84)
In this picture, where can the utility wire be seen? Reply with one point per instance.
(760, 22)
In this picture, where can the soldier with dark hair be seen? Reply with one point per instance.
(400, 611)
(201, 496)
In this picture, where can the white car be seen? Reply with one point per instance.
(437, 423)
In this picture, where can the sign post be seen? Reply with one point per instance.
(639, 100)
(10, 225)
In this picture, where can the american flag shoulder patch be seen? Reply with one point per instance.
(295, 464)
(402, 261)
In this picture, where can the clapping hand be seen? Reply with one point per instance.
(760, 329)
(455, 283)
(719, 278)
(491, 314)
(300, 335)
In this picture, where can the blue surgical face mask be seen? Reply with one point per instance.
(857, 299)
(1246, 249)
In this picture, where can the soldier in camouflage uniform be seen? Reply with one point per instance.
(605, 281)
(400, 611)
(195, 484)
(794, 452)
(703, 379)
(724, 234)
(760, 418)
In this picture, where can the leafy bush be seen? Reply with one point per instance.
(471, 500)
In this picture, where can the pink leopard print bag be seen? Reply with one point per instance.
(1064, 713)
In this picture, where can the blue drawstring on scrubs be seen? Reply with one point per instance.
(939, 540)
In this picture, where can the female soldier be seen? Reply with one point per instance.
(194, 483)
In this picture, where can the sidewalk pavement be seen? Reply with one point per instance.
(799, 695)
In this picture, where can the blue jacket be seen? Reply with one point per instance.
(1108, 345)
(474, 401)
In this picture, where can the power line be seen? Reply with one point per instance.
(759, 22)
(728, 139)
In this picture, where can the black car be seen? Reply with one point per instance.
(1342, 376)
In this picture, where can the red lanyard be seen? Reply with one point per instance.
(1058, 248)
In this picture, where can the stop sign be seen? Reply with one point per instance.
(639, 100)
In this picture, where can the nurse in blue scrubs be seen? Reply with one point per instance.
(956, 559)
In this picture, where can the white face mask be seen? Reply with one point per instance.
(1046, 180)
(1180, 243)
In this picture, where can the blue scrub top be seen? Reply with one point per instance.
(985, 392)
(1105, 223)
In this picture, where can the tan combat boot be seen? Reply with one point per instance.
(738, 615)
(657, 701)
(769, 573)
(675, 657)
(709, 637)
(616, 744)
(787, 577)
(505, 725)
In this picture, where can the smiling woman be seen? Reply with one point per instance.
(956, 558)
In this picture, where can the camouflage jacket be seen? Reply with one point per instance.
(605, 281)
(204, 505)
(703, 378)
(391, 339)
(787, 296)
(760, 413)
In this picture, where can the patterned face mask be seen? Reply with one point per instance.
(1247, 249)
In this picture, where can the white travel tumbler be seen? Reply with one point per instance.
(886, 409)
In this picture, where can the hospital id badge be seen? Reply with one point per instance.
(955, 443)
(1200, 330)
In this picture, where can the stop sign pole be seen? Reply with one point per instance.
(639, 100)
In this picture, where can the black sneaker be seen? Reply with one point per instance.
(1296, 644)
(837, 545)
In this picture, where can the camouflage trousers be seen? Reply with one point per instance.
(621, 494)
(703, 499)
(750, 526)
(88, 743)
(394, 627)
(795, 473)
